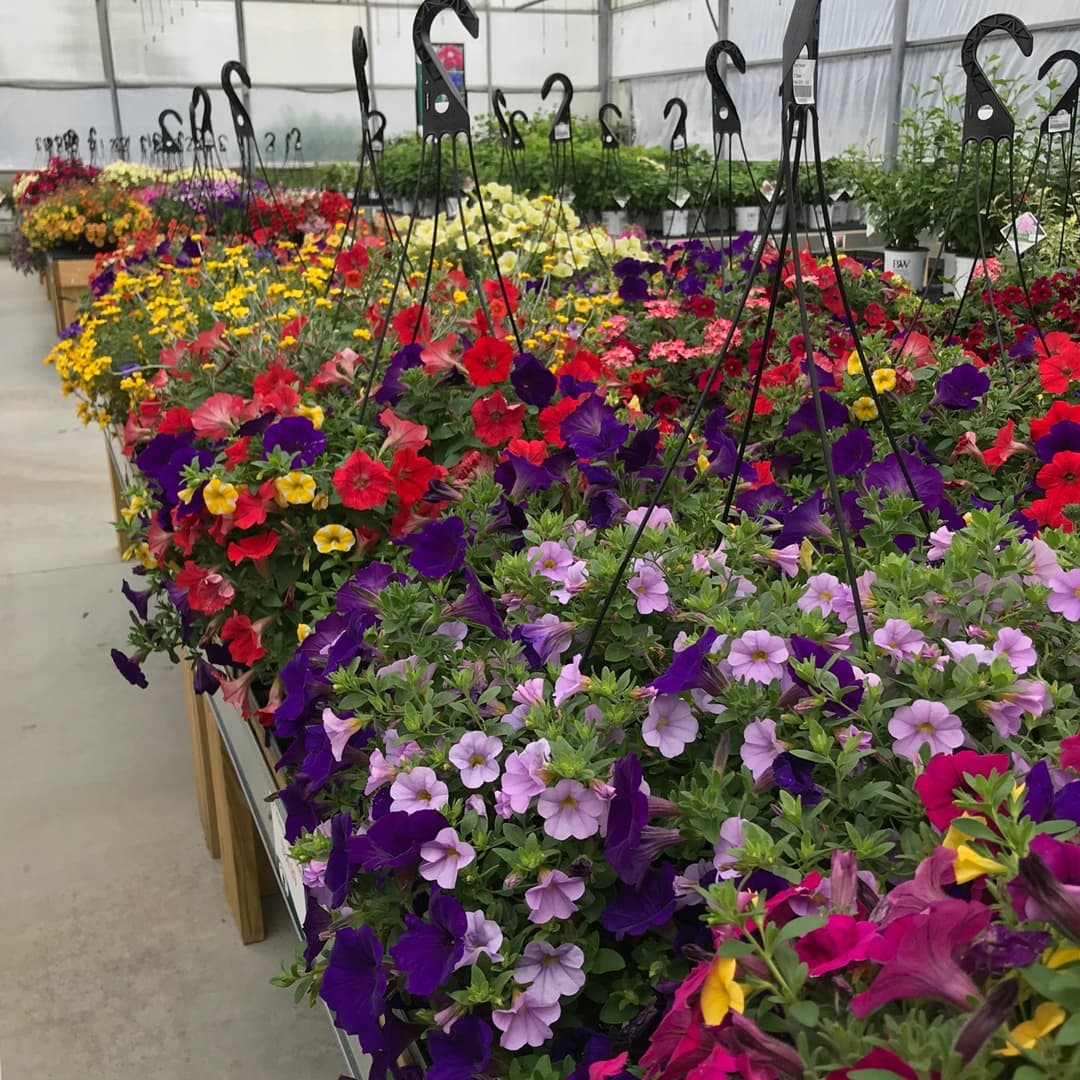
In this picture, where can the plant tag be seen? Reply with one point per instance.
(803, 73)
(680, 196)
(678, 143)
(1059, 122)
(621, 198)
(562, 132)
(1028, 232)
(291, 874)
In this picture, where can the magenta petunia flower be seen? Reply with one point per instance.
(669, 725)
(442, 858)
(1064, 598)
(843, 940)
(476, 757)
(526, 1023)
(570, 809)
(760, 747)
(1017, 648)
(899, 639)
(418, 789)
(649, 587)
(554, 898)
(925, 723)
(758, 656)
(482, 937)
(822, 593)
(549, 972)
(522, 779)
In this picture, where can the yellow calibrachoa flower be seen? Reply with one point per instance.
(864, 409)
(1056, 958)
(334, 538)
(220, 497)
(854, 366)
(884, 379)
(1025, 1036)
(296, 488)
(303, 631)
(313, 412)
(720, 993)
(969, 863)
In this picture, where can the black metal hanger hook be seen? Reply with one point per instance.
(803, 35)
(1067, 106)
(241, 118)
(498, 105)
(725, 116)
(202, 131)
(170, 143)
(379, 130)
(561, 130)
(445, 111)
(359, 65)
(608, 139)
(985, 115)
(678, 136)
(517, 140)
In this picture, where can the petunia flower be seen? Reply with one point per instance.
(354, 984)
(636, 910)
(843, 940)
(130, 667)
(760, 747)
(487, 361)
(295, 435)
(532, 381)
(339, 730)
(899, 639)
(418, 789)
(961, 387)
(427, 952)
(1064, 598)
(361, 482)
(526, 1023)
(461, 1053)
(438, 549)
(649, 587)
(555, 897)
(945, 774)
(570, 681)
(475, 606)
(669, 725)
(550, 972)
(482, 938)
(549, 636)
(570, 809)
(796, 775)
(334, 538)
(925, 723)
(476, 757)
(821, 593)
(689, 668)
(1017, 648)
(444, 857)
(720, 993)
(522, 777)
(757, 656)
(1048, 1016)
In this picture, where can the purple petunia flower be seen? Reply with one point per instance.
(296, 435)
(427, 952)
(550, 972)
(570, 809)
(461, 1053)
(130, 667)
(669, 726)
(758, 656)
(438, 548)
(961, 388)
(418, 789)
(635, 910)
(354, 984)
(628, 814)
(549, 636)
(852, 452)
(796, 775)
(476, 756)
(805, 417)
(394, 840)
(555, 897)
(648, 587)
(482, 938)
(998, 949)
(140, 600)
(760, 747)
(803, 521)
(532, 381)
(475, 606)
(592, 430)
(687, 670)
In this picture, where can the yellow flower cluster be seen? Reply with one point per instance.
(84, 214)
(128, 174)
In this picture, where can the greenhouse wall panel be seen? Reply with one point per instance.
(60, 48)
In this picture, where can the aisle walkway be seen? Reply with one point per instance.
(117, 958)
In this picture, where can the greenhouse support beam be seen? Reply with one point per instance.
(896, 81)
(241, 49)
(603, 49)
(489, 48)
(369, 24)
(109, 67)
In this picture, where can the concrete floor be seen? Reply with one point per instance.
(118, 959)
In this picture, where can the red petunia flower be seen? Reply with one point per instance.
(258, 546)
(207, 590)
(532, 450)
(293, 327)
(552, 417)
(873, 315)
(220, 414)
(251, 508)
(412, 473)
(1070, 753)
(944, 776)
(1059, 371)
(1060, 477)
(1059, 411)
(174, 421)
(488, 361)
(362, 482)
(277, 390)
(494, 291)
(703, 307)
(496, 420)
(412, 324)
(236, 452)
(1047, 515)
(243, 639)
(1005, 445)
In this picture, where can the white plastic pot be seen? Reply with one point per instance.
(615, 221)
(747, 219)
(676, 222)
(910, 265)
(961, 275)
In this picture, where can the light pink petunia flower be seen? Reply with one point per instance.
(476, 756)
(418, 789)
(669, 725)
(442, 858)
(550, 972)
(758, 656)
(570, 809)
(925, 723)
(1017, 648)
(554, 898)
(526, 1023)
(760, 747)
(1064, 598)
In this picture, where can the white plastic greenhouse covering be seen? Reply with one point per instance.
(62, 60)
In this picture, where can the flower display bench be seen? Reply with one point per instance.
(68, 281)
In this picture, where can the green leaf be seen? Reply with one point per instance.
(975, 828)
(805, 1012)
(798, 927)
(1069, 1032)
(734, 950)
(606, 960)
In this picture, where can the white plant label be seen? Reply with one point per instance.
(1028, 232)
(803, 73)
(678, 143)
(562, 132)
(1059, 123)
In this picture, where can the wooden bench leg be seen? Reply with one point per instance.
(240, 844)
(199, 722)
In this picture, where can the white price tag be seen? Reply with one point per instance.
(1028, 232)
(678, 143)
(288, 868)
(562, 132)
(1059, 122)
(803, 74)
